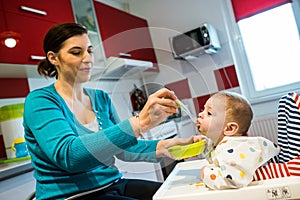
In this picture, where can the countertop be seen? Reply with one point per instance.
(12, 169)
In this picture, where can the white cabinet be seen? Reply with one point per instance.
(140, 170)
(162, 131)
(151, 171)
(186, 127)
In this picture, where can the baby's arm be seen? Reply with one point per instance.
(214, 178)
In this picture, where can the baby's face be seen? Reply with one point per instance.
(211, 121)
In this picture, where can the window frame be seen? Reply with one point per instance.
(241, 61)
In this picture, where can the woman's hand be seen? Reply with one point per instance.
(159, 105)
(198, 138)
(163, 145)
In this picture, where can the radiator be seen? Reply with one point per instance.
(265, 127)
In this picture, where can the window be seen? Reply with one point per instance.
(271, 45)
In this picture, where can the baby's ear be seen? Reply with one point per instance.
(231, 129)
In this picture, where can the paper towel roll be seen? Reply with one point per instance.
(11, 121)
(11, 130)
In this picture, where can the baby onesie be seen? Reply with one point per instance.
(235, 160)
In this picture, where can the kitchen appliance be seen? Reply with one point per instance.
(117, 68)
(193, 43)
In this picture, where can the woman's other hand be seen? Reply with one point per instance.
(198, 138)
(163, 145)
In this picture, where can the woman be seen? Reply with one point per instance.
(73, 133)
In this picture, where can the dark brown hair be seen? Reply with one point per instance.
(53, 41)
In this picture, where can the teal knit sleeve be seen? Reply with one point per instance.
(145, 150)
(54, 138)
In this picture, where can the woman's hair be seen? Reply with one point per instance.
(53, 41)
(238, 110)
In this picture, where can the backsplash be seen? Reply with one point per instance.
(13, 87)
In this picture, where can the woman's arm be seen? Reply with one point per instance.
(53, 135)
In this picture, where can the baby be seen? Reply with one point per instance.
(226, 119)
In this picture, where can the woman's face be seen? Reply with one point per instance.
(75, 59)
(211, 121)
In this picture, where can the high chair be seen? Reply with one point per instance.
(278, 180)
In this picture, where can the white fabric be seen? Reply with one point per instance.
(235, 160)
(93, 125)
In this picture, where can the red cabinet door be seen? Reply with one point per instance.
(32, 33)
(52, 10)
(31, 25)
(123, 33)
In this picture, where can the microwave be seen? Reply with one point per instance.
(203, 39)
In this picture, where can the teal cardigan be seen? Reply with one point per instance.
(67, 157)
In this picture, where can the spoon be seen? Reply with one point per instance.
(185, 109)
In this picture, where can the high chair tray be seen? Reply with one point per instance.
(184, 183)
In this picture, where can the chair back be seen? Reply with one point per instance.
(289, 127)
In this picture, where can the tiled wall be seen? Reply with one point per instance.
(181, 89)
(226, 78)
(13, 87)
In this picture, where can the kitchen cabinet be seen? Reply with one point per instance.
(54, 10)
(30, 48)
(18, 187)
(140, 170)
(186, 127)
(31, 19)
(85, 15)
(124, 35)
(16, 180)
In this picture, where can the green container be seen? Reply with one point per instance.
(187, 151)
(10, 112)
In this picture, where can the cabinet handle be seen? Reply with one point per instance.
(37, 57)
(40, 12)
(125, 54)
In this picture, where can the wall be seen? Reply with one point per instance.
(166, 19)
(15, 89)
(119, 93)
(175, 16)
